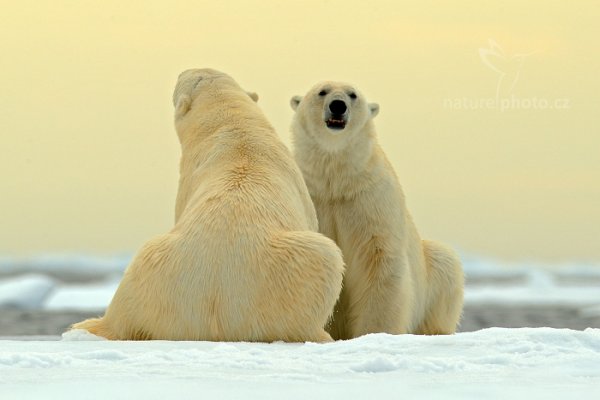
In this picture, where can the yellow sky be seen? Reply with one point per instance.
(89, 155)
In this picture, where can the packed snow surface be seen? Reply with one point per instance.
(489, 364)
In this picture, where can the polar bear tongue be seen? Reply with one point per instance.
(336, 123)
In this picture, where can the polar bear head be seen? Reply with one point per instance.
(332, 113)
(199, 91)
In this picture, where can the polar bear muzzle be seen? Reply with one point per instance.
(336, 114)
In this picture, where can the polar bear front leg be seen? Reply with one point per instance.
(379, 291)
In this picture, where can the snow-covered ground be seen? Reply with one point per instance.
(489, 364)
(495, 363)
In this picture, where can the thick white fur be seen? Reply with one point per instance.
(394, 281)
(244, 261)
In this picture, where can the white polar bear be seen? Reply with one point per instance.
(244, 261)
(394, 281)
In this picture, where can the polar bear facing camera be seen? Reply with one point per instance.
(244, 261)
(394, 281)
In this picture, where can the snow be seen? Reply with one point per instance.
(82, 297)
(26, 291)
(492, 363)
(539, 286)
(80, 335)
(82, 265)
(533, 296)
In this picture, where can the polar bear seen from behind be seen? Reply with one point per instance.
(394, 281)
(244, 261)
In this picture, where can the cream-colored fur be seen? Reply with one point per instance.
(244, 261)
(394, 281)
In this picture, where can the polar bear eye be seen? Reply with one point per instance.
(352, 95)
(322, 93)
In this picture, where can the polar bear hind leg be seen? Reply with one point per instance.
(305, 279)
(445, 285)
(95, 326)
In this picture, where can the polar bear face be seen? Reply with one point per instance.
(332, 112)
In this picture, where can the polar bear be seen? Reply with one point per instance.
(244, 260)
(394, 281)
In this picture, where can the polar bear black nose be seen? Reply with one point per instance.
(337, 107)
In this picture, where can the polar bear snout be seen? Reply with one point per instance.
(337, 107)
(336, 114)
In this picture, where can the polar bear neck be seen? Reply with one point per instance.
(208, 118)
(343, 172)
(208, 135)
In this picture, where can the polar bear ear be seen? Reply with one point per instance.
(295, 102)
(183, 105)
(253, 96)
(374, 109)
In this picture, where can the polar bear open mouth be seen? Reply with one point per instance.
(335, 123)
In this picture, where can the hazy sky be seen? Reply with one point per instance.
(89, 157)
